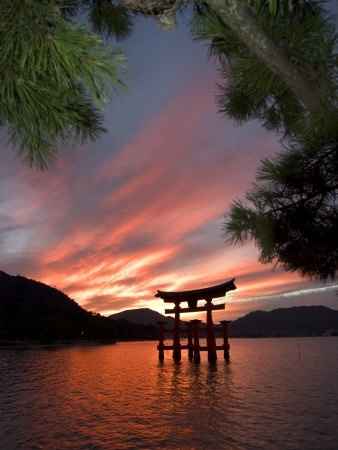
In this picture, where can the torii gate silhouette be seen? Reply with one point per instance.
(192, 297)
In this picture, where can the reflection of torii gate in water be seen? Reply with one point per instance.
(192, 298)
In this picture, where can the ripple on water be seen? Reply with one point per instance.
(275, 394)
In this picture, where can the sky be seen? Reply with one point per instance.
(142, 208)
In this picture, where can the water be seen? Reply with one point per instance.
(275, 394)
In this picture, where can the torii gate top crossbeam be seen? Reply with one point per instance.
(197, 294)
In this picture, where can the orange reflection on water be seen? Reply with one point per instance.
(121, 397)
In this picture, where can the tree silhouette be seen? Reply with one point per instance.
(55, 77)
(252, 89)
(291, 211)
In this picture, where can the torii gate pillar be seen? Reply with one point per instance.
(177, 343)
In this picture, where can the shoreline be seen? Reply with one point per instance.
(22, 344)
(31, 344)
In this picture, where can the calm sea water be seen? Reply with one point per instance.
(275, 394)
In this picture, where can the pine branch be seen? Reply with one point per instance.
(55, 78)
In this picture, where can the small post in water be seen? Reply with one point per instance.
(197, 356)
(190, 344)
(161, 342)
(226, 345)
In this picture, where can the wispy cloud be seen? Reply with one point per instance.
(147, 217)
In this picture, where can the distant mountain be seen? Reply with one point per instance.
(34, 310)
(143, 316)
(295, 321)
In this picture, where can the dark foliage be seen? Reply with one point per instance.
(292, 211)
(55, 77)
(250, 89)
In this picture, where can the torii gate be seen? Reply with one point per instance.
(192, 297)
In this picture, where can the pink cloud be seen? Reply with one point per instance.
(149, 216)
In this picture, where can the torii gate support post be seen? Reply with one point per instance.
(190, 344)
(195, 324)
(226, 345)
(177, 343)
(161, 342)
(211, 341)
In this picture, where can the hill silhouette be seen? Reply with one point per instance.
(33, 310)
(144, 316)
(283, 322)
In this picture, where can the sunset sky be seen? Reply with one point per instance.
(142, 208)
